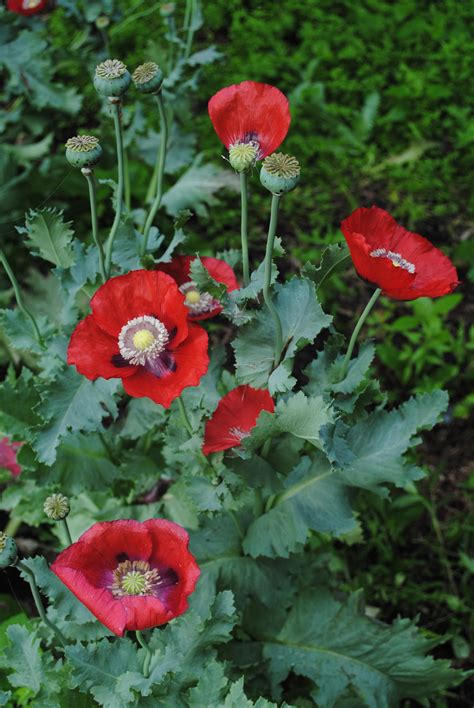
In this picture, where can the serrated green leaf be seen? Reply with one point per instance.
(210, 687)
(315, 498)
(331, 257)
(49, 237)
(20, 332)
(204, 281)
(324, 371)
(74, 403)
(18, 400)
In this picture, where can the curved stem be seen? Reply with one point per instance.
(243, 227)
(160, 172)
(39, 603)
(148, 653)
(65, 526)
(88, 174)
(19, 298)
(120, 185)
(268, 278)
(357, 328)
(184, 416)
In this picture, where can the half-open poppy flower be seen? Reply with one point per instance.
(201, 305)
(8, 452)
(403, 264)
(130, 575)
(235, 416)
(252, 114)
(26, 7)
(138, 331)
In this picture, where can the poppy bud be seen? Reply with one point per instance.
(148, 77)
(56, 507)
(168, 9)
(111, 78)
(8, 551)
(280, 173)
(83, 151)
(242, 156)
(102, 22)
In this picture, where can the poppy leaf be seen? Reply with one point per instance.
(49, 237)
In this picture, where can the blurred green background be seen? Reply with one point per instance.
(382, 112)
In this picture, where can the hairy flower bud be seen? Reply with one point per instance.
(148, 77)
(280, 173)
(242, 156)
(83, 151)
(8, 551)
(111, 78)
(56, 507)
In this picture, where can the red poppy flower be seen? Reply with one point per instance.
(8, 452)
(138, 331)
(26, 7)
(235, 416)
(130, 575)
(403, 264)
(250, 112)
(201, 306)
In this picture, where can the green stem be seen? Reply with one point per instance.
(187, 15)
(88, 174)
(19, 298)
(243, 227)
(152, 186)
(14, 523)
(161, 170)
(148, 653)
(128, 189)
(190, 36)
(39, 603)
(184, 416)
(65, 526)
(268, 278)
(120, 187)
(355, 333)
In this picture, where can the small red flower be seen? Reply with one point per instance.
(26, 7)
(8, 452)
(201, 306)
(251, 112)
(235, 416)
(130, 575)
(403, 264)
(138, 331)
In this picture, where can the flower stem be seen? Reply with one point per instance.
(243, 227)
(65, 526)
(127, 186)
(39, 603)
(268, 277)
(189, 38)
(120, 185)
(357, 328)
(88, 174)
(160, 172)
(148, 653)
(184, 416)
(19, 298)
(187, 15)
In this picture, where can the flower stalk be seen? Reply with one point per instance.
(117, 106)
(89, 175)
(357, 328)
(268, 276)
(39, 603)
(148, 653)
(160, 173)
(19, 297)
(244, 227)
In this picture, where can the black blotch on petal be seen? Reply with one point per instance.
(118, 361)
(121, 557)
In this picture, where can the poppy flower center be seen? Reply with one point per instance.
(196, 301)
(142, 339)
(31, 4)
(397, 260)
(134, 578)
(239, 433)
(242, 156)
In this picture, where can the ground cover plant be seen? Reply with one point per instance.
(130, 413)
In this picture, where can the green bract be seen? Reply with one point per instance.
(83, 151)
(280, 173)
(148, 77)
(111, 78)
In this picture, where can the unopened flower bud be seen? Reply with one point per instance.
(83, 151)
(8, 551)
(102, 22)
(148, 77)
(280, 173)
(56, 507)
(167, 9)
(242, 156)
(112, 78)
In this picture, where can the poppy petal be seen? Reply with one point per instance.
(93, 352)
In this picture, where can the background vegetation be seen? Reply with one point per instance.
(381, 99)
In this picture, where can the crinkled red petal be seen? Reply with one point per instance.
(251, 111)
(192, 361)
(21, 7)
(239, 409)
(91, 351)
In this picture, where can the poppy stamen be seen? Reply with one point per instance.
(142, 339)
(134, 578)
(397, 260)
(196, 301)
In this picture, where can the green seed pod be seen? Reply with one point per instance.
(111, 78)
(280, 173)
(56, 507)
(8, 551)
(148, 77)
(242, 156)
(83, 151)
